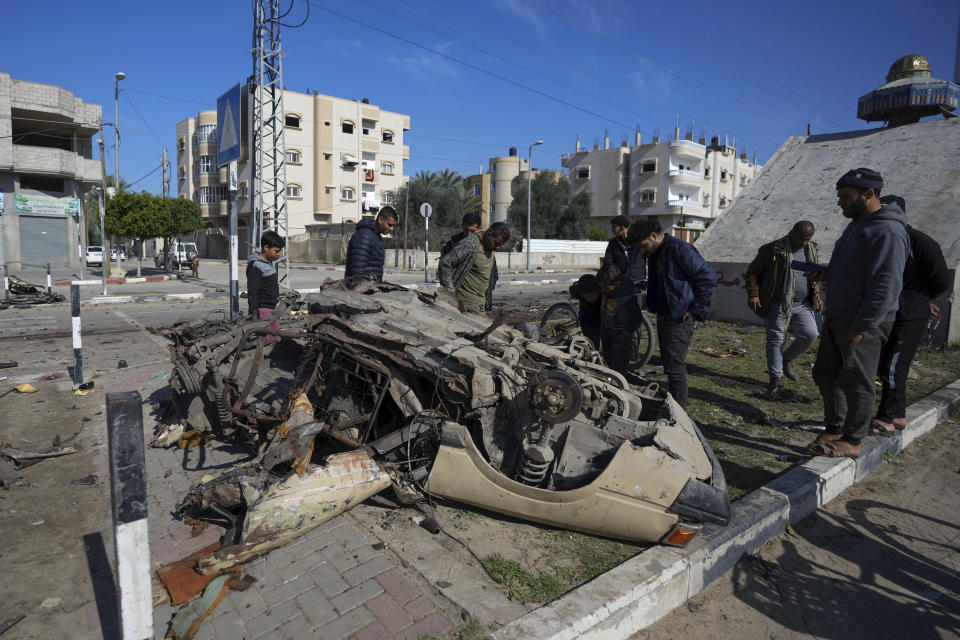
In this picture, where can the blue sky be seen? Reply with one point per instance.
(535, 69)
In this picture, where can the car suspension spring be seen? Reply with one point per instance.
(534, 464)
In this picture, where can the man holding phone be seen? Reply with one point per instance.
(780, 293)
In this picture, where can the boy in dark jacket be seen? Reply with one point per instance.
(366, 250)
(263, 281)
(587, 292)
(680, 284)
(620, 317)
(925, 278)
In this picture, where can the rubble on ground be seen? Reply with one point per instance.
(24, 295)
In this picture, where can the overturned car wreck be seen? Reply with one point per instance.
(381, 388)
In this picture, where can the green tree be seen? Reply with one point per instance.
(447, 194)
(554, 214)
(178, 216)
(134, 215)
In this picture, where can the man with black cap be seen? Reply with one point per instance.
(631, 262)
(863, 279)
(925, 278)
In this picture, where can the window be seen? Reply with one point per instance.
(293, 156)
(348, 193)
(387, 167)
(386, 197)
(366, 131)
(204, 165)
(476, 190)
(292, 120)
(327, 156)
(205, 133)
(388, 136)
(346, 126)
(648, 196)
(208, 195)
(182, 173)
(706, 172)
(583, 173)
(181, 144)
(41, 183)
(723, 174)
(650, 166)
(244, 191)
(294, 191)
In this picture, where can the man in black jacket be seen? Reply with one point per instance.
(631, 261)
(366, 250)
(925, 277)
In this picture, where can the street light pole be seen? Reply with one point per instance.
(529, 182)
(116, 146)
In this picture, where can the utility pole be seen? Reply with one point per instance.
(164, 173)
(104, 250)
(406, 223)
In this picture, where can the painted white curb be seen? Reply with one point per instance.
(645, 588)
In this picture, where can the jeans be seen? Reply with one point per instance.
(805, 334)
(674, 337)
(894, 365)
(617, 347)
(845, 374)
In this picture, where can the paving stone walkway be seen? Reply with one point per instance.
(331, 583)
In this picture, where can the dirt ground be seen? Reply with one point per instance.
(880, 561)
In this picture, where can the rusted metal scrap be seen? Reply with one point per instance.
(381, 388)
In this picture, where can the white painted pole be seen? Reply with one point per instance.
(77, 344)
(234, 256)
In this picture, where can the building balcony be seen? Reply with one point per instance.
(55, 162)
(91, 170)
(687, 148)
(684, 175)
(685, 204)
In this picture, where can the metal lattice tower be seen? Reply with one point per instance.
(269, 145)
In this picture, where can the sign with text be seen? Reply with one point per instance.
(46, 205)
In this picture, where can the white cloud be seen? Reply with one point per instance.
(650, 79)
(423, 64)
(523, 12)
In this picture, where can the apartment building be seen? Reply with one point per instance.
(499, 185)
(682, 183)
(344, 160)
(46, 168)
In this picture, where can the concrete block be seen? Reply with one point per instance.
(266, 623)
(298, 629)
(347, 624)
(420, 607)
(397, 586)
(287, 590)
(248, 604)
(328, 579)
(375, 566)
(388, 613)
(316, 607)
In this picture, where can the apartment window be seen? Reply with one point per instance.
(327, 156)
(205, 133)
(648, 196)
(293, 156)
(181, 143)
(208, 195)
(347, 193)
(182, 173)
(294, 191)
(387, 167)
(204, 165)
(476, 190)
(706, 172)
(244, 191)
(292, 120)
(583, 173)
(493, 186)
(386, 197)
(650, 166)
(366, 131)
(723, 174)
(347, 126)
(723, 201)
(388, 136)
(40, 183)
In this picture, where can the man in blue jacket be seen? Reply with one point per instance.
(366, 250)
(680, 284)
(863, 279)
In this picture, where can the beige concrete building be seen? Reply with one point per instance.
(498, 186)
(682, 183)
(344, 160)
(46, 168)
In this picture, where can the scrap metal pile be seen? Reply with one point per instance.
(381, 389)
(24, 295)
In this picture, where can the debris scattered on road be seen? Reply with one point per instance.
(86, 386)
(122, 364)
(24, 295)
(51, 603)
(8, 624)
(86, 480)
(26, 387)
(9, 365)
(726, 353)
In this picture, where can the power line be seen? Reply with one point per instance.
(472, 66)
(142, 119)
(160, 95)
(155, 169)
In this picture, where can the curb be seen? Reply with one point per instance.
(425, 286)
(67, 283)
(645, 588)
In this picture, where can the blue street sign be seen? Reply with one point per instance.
(228, 126)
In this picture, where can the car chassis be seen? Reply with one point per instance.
(378, 387)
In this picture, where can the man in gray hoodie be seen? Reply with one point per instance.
(863, 279)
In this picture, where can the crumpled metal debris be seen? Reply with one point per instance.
(24, 295)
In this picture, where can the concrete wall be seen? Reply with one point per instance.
(729, 303)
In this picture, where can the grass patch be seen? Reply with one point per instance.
(520, 584)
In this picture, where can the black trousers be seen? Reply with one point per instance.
(895, 359)
(673, 337)
(845, 374)
(617, 346)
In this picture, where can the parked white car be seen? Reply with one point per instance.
(181, 255)
(95, 255)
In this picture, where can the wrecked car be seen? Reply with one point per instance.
(377, 389)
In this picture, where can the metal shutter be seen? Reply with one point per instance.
(43, 239)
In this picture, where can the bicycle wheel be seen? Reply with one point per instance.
(559, 321)
(642, 345)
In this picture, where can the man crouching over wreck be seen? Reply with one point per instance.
(468, 270)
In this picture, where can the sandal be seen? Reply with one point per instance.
(834, 450)
(879, 430)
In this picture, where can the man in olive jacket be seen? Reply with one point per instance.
(784, 297)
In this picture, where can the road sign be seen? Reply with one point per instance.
(228, 126)
(426, 209)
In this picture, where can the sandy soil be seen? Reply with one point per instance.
(881, 561)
